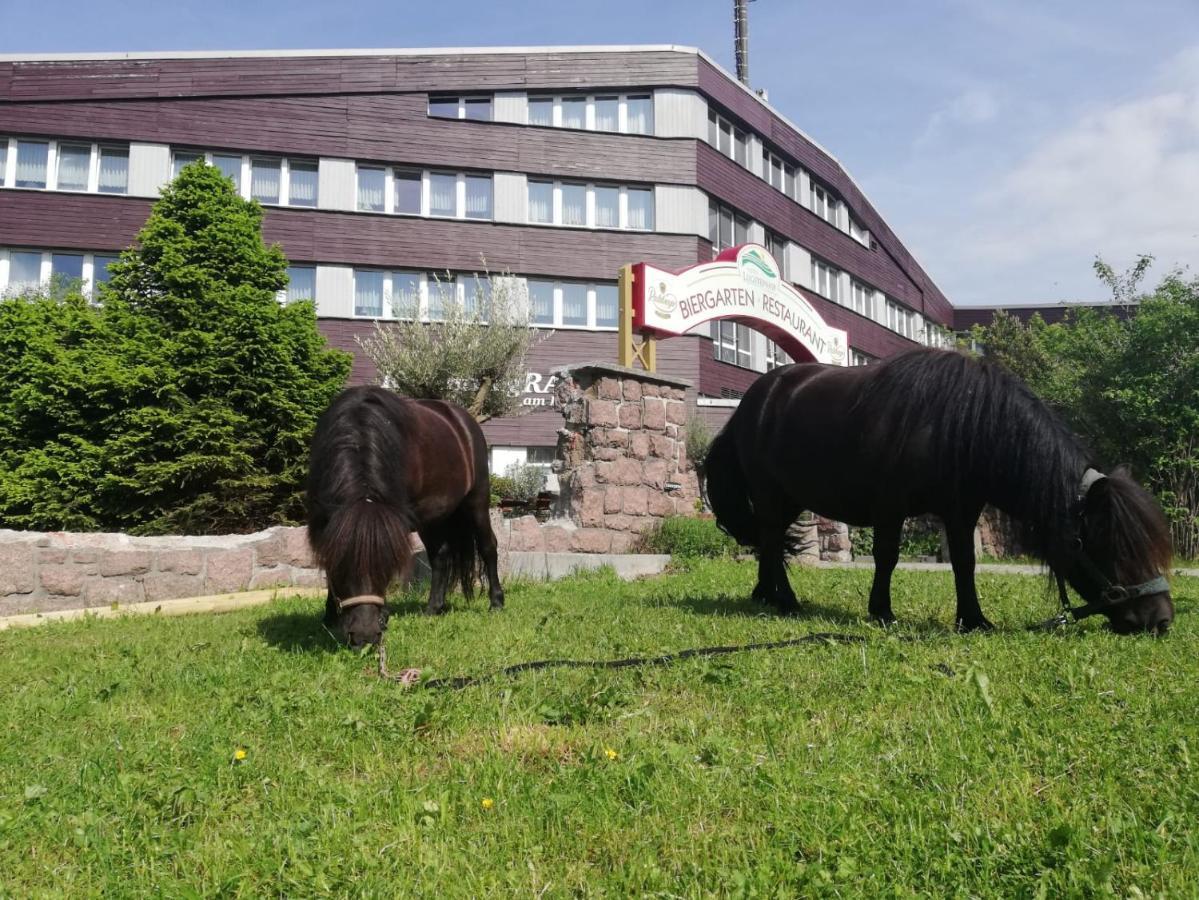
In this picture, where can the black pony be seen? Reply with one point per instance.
(381, 468)
(933, 431)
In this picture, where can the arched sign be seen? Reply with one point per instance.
(743, 284)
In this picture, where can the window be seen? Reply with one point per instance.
(477, 108)
(607, 113)
(729, 139)
(405, 295)
(368, 293)
(639, 116)
(100, 270)
(732, 343)
(370, 189)
(861, 298)
(591, 205)
(775, 356)
(74, 165)
(573, 304)
(230, 167)
(825, 205)
(641, 208)
(274, 181)
(301, 283)
(901, 320)
(725, 227)
(24, 271)
(302, 181)
(478, 196)
(3, 159)
(476, 296)
(574, 204)
(607, 306)
(443, 194)
(442, 291)
(67, 265)
(858, 358)
(265, 180)
(607, 207)
(790, 184)
(858, 232)
(541, 202)
(574, 112)
(777, 245)
(541, 302)
(182, 159)
(826, 280)
(408, 191)
(32, 159)
(628, 113)
(541, 111)
(114, 170)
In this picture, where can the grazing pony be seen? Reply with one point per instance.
(933, 431)
(381, 468)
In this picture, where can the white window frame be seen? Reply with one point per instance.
(726, 127)
(46, 265)
(426, 177)
(282, 295)
(776, 356)
(741, 346)
(861, 298)
(859, 232)
(589, 216)
(589, 118)
(830, 275)
(860, 358)
(8, 151)
(425, 281)
(719, 210)
(247, 173)
(559, 304)
(461, 100)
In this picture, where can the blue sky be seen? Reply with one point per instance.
(1007, 143)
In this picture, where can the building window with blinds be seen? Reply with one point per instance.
(301, 284)
(590, 205)
(573, 304)
(826, 280)
(621, 113)
(726, 228)
(370, 189)
(861, 299)
(74, 166)
(732, 343)
(32, 162)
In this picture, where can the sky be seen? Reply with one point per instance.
(1007, 142)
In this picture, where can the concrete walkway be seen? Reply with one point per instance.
(996, 568)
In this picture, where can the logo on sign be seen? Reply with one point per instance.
(756, 265)
(663, 302)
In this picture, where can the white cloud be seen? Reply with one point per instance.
(976, 106)
(1116, 181)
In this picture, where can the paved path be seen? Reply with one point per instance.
(999, 568)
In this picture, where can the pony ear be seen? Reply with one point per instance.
(1124, 470)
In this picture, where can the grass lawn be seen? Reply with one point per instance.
(920, 763)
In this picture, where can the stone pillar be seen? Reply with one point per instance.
(622, 459)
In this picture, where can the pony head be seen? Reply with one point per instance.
(1123, 553)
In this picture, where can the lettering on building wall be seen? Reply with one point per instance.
(539, 390)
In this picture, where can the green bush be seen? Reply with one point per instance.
(501, 489)
(683, 536)
(527, 481)
(921, 536)
(184, 401)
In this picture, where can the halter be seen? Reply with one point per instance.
(360, 600)
(1110, 594)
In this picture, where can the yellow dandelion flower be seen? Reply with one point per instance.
(239, 754)
(611, 754)
(487, 803)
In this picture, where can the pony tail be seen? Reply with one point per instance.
(728, 491)
(464, 559)
(362, 539)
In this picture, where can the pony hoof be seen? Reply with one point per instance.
(439, 611)
(966, 627)
(885, 621)
(497, 606)
(788, 609)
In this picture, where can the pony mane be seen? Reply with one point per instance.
(990, 436)
(1142, 527)
(357, 465)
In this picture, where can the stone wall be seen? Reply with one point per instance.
(41, 571)
(621, 463)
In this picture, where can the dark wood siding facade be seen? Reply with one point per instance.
(374, 108)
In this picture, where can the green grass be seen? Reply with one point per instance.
(1011, 764)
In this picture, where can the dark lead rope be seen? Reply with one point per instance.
(462, 681)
